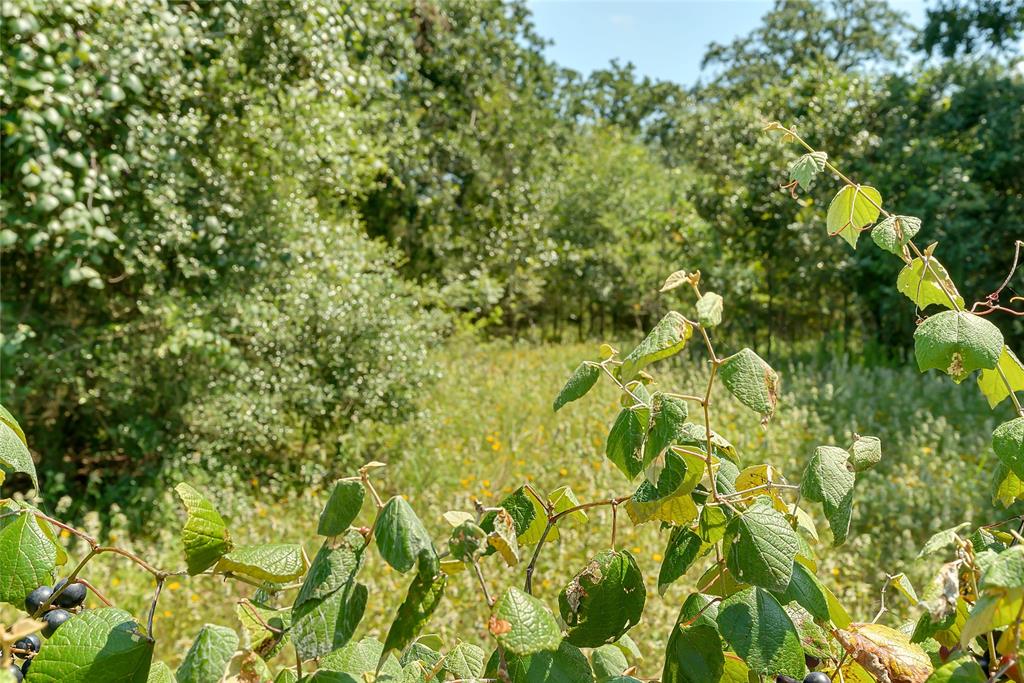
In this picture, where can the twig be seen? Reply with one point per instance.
(251, 609)
(152, 606)
(483, 584)
(552, 521)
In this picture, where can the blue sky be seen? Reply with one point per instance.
(664, 38)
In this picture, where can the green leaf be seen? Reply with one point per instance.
(667, 338)
(805, 590)
(207, 659)
(274, 562)
(895, 232)
(693, 655)
(963, 670)
(829, 481)
(359, 658)
(626, 439)
(668, 420)
(528, 515)
(465, 661)
(757, 629)
(853, 208)
(804, 168)
(865, 453)
(608, 662)
(1008, 443)
(679, 277)
(562, 665)
(160, 673)
(263, 641)
(96, 645)
(958, 343)
(1007, 487)
(1005, 571)
(764, 546)
(669, 500)
(991, 612)
(942, 539)
(288, 676)
(991, 381)
(330, 603)
(562, 499)
(205, 536)
(927, 286)
(342, 508)
(751, 381)
(522, 624)
(14, 454)
(8, 419)
(423, 598)
(709, 309)
(604, 600)
(712, 524)
(684, 546)
(28, 556)
(401, 536)
(582, 380)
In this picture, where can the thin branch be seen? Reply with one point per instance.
(483, 584)
(552, 521)
(152, 606)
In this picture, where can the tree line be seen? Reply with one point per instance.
(237, 228)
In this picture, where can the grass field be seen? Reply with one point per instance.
(487, 427)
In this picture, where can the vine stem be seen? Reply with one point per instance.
(152, 606)
(251, 609)
(926, 260)
(553, 520)
(483, 584)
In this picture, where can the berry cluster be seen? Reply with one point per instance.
(58, 610)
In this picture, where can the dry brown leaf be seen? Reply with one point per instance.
(885, 653)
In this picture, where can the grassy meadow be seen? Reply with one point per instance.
(486, 426)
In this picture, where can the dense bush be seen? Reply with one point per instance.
(183, 261)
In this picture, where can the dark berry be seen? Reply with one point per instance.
(54, 618)
(817, 677)
(73, 595)
(16, 673)
(36, 598)
(24, 666)
(30, 643)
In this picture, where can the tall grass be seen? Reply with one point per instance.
(486, 427)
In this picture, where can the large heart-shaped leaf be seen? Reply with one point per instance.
(207, 659)
(757, 629)
(97, 645)
(958, 343)
(764, 546)
(854, 207)
(604, 600)
(274, 562)
(667, 338)
(522, 624)
(752, 381)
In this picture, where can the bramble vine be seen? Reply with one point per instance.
(759, 610)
